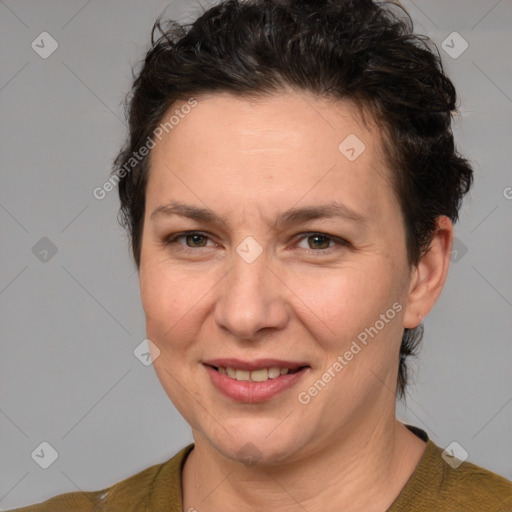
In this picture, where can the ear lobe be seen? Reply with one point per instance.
(429, 276)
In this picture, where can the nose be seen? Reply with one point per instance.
(252, 299)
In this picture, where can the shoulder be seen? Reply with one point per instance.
(471, 487)
(446, 484)
(138, 493)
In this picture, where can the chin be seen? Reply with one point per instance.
(257, 447)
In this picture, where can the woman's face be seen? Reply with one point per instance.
(325, 294)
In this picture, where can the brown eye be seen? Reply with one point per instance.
(318, 241)
(195, 240)
(188, 240)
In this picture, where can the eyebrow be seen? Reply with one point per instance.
(294, 215)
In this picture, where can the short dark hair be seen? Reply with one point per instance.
(357, 50)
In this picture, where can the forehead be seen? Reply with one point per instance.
(270, 152)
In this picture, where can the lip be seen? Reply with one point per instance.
(253, 392)
(256, 364)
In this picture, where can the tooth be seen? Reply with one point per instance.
(242, 375)
(259, 375)
(273, 373)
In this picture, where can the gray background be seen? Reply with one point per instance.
(69, 325)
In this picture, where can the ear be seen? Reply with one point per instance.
(429, 275)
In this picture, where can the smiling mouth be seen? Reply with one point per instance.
(260, 375)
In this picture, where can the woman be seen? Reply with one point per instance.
(290, 185)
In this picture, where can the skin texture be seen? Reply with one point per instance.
(302, 299)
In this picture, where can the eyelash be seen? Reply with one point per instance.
(172, 240)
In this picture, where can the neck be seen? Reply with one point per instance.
(358, 473)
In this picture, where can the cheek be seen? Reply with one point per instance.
(342, 303)
(163, 300)
(174, 302)
(170, 320)
(155, 294)
(163, 288)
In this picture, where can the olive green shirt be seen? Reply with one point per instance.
(434, 486)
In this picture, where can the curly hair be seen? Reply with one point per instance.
(358, 50)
